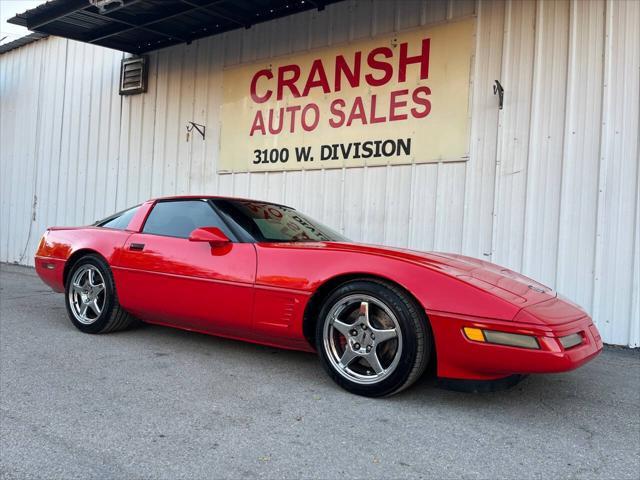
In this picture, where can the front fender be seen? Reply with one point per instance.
(296, 267)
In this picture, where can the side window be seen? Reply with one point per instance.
(120, 220)
(179, 218)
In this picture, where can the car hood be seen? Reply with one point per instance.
(500, 281)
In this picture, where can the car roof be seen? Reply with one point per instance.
(217, 197)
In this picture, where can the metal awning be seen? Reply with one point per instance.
(139, 26)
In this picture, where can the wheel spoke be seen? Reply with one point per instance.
(364, 313)
(373, 360)
(384, 335)
(98, 288)
(83, 279)
(83, 309)
(95, 307)
(347, 357)
(91, 277)
(77, 288)
(342, 327)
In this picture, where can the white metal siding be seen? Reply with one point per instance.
(551, 188)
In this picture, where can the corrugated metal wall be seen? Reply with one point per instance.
(551, 189)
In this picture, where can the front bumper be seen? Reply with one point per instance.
(461, 358)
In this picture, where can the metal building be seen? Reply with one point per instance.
(550, 186)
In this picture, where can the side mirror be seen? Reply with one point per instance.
(213, 235)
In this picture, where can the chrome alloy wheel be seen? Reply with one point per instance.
(362, 339)
(87, 294)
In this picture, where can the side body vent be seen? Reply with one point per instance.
(133, 75)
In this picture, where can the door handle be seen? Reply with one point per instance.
(138, 247)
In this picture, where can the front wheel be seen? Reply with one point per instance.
(91, 299)
(373, 338)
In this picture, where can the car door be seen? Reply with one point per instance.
(165, 278)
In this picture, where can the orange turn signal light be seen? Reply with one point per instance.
(474, 334)
(501, 338)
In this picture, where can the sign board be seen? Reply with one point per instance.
(394, 99)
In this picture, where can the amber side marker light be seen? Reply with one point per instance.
(501, 338)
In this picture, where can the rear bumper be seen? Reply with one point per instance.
(459, 357)
(51, 271)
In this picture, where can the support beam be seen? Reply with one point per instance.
(55, 12)
(124, 26)
(109, 30)
(210, 8)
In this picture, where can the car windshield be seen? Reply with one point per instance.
(267, 222)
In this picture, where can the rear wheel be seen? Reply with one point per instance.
(373, 339)
(91, 299)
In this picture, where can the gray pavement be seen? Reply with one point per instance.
(162, 403)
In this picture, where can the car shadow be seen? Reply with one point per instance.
(553, 393)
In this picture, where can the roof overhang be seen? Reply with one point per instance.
(22, 41)
(139, 26)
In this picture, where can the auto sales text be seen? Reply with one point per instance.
(368, 69)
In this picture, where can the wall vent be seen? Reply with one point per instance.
(133, 75)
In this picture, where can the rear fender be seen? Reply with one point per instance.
(61, 245)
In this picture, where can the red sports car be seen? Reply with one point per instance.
(266, 273)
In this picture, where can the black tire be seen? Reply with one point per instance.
(112, 316)
(415, 340)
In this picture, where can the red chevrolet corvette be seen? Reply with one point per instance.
(266, 273)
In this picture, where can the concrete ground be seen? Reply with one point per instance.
(162, 403)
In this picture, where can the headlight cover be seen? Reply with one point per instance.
(571, 341)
